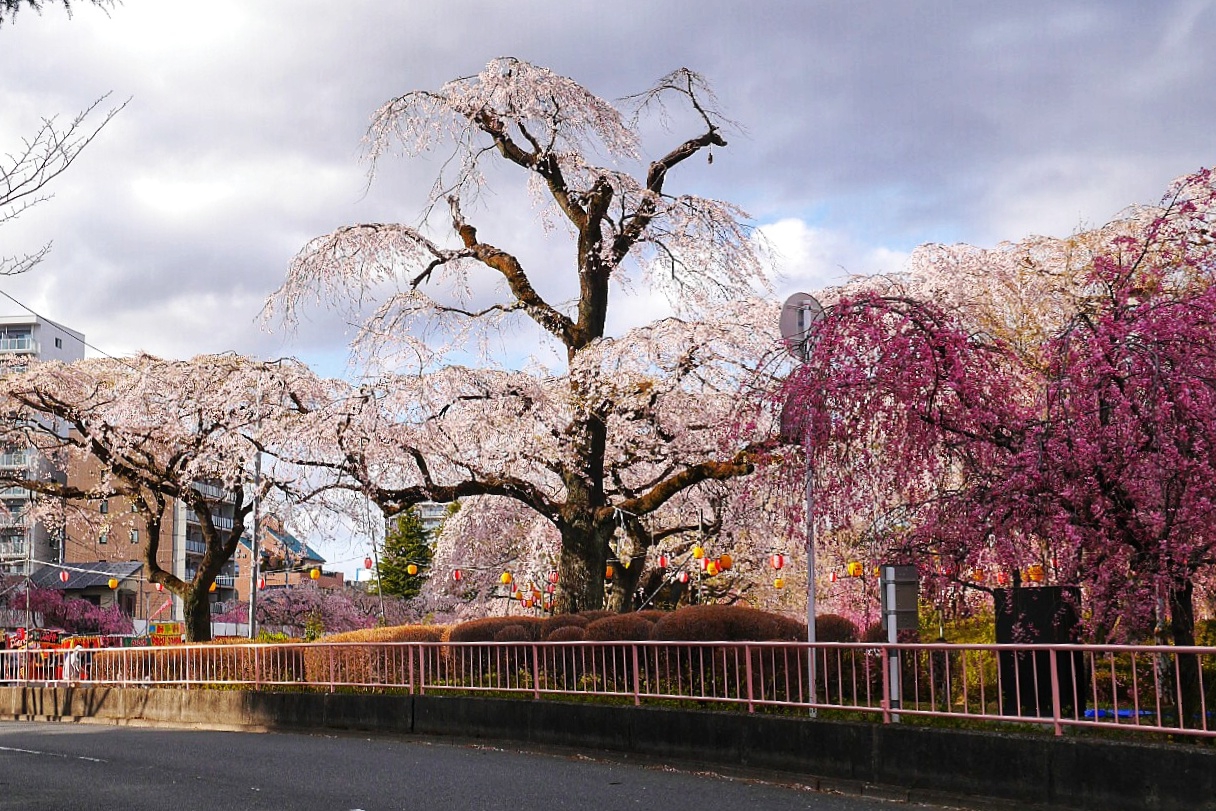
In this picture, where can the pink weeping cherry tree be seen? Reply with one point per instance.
(601, 439)
(983, 435)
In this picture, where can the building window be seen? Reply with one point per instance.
(103, 537)
(134, 536)
(104, 507)
(59, 343)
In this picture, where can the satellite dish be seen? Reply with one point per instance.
(798, 317)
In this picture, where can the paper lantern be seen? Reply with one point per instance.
(979, 575)
(682, 577)
(550, 588)
(1035, 573)
(776, 560)
(457, 575)
(855, 569)
(505, 578)
(1002, 578)
(608, 572)
(517, 595)
(367, 563)
(112, 582)
(160, 586)
(64, 576)
(314, 574)
(212, 587)
(711, 568)
(698, 552)
(664, 561)
(779, 583)
(261, 583)
(411, 569)
(834, 577)
(553, 576)
(725, 562)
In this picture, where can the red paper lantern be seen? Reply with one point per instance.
(553, 576)
(777, 560)
(456, 575)
(367, 563)
(683, 577)
(64, 576)
(160, 586)
(261, 583)
(663, 561)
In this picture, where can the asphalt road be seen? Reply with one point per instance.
(65, 767)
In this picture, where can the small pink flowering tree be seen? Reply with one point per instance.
(72, 614)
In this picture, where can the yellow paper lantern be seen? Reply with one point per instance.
(412, 569)
(505, 578)
(1035, 573)
(112, 582)
(711, 568)
(779, 583)
(698, 552)
(855, 569)
(213, 587)
(315, 574)
(725, 562)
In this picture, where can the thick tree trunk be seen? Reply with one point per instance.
(580, 583)
(1182, 630)
(197, 608)
(624, 585)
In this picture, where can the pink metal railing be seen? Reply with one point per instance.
(1139, 688)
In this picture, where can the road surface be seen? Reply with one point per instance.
(74, 767)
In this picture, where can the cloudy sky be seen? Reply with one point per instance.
(870, 127)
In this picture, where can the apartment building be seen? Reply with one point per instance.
(24, 544)
(113, 533)
(285, 561)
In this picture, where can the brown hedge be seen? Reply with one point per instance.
(484, 629)
(620, 628)
(726, 623)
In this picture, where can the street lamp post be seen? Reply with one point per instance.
(799, 315)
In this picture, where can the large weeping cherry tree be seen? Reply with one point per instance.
(606, 443)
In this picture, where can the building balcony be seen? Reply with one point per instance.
(15, 459)
(24, 344)
(212, 491)
(13, 549)
(226, 581)
(219, 521)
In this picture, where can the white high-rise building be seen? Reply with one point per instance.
(26, 339)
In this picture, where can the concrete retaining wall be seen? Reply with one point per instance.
(916, 763)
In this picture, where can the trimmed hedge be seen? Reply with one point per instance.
(726, 623)
(620, 628)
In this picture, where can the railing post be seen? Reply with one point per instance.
(535, 671)
(637, 677)
(332, 674)
(409, 660)
(747, 653)
(1055, 693)
(886, 688)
